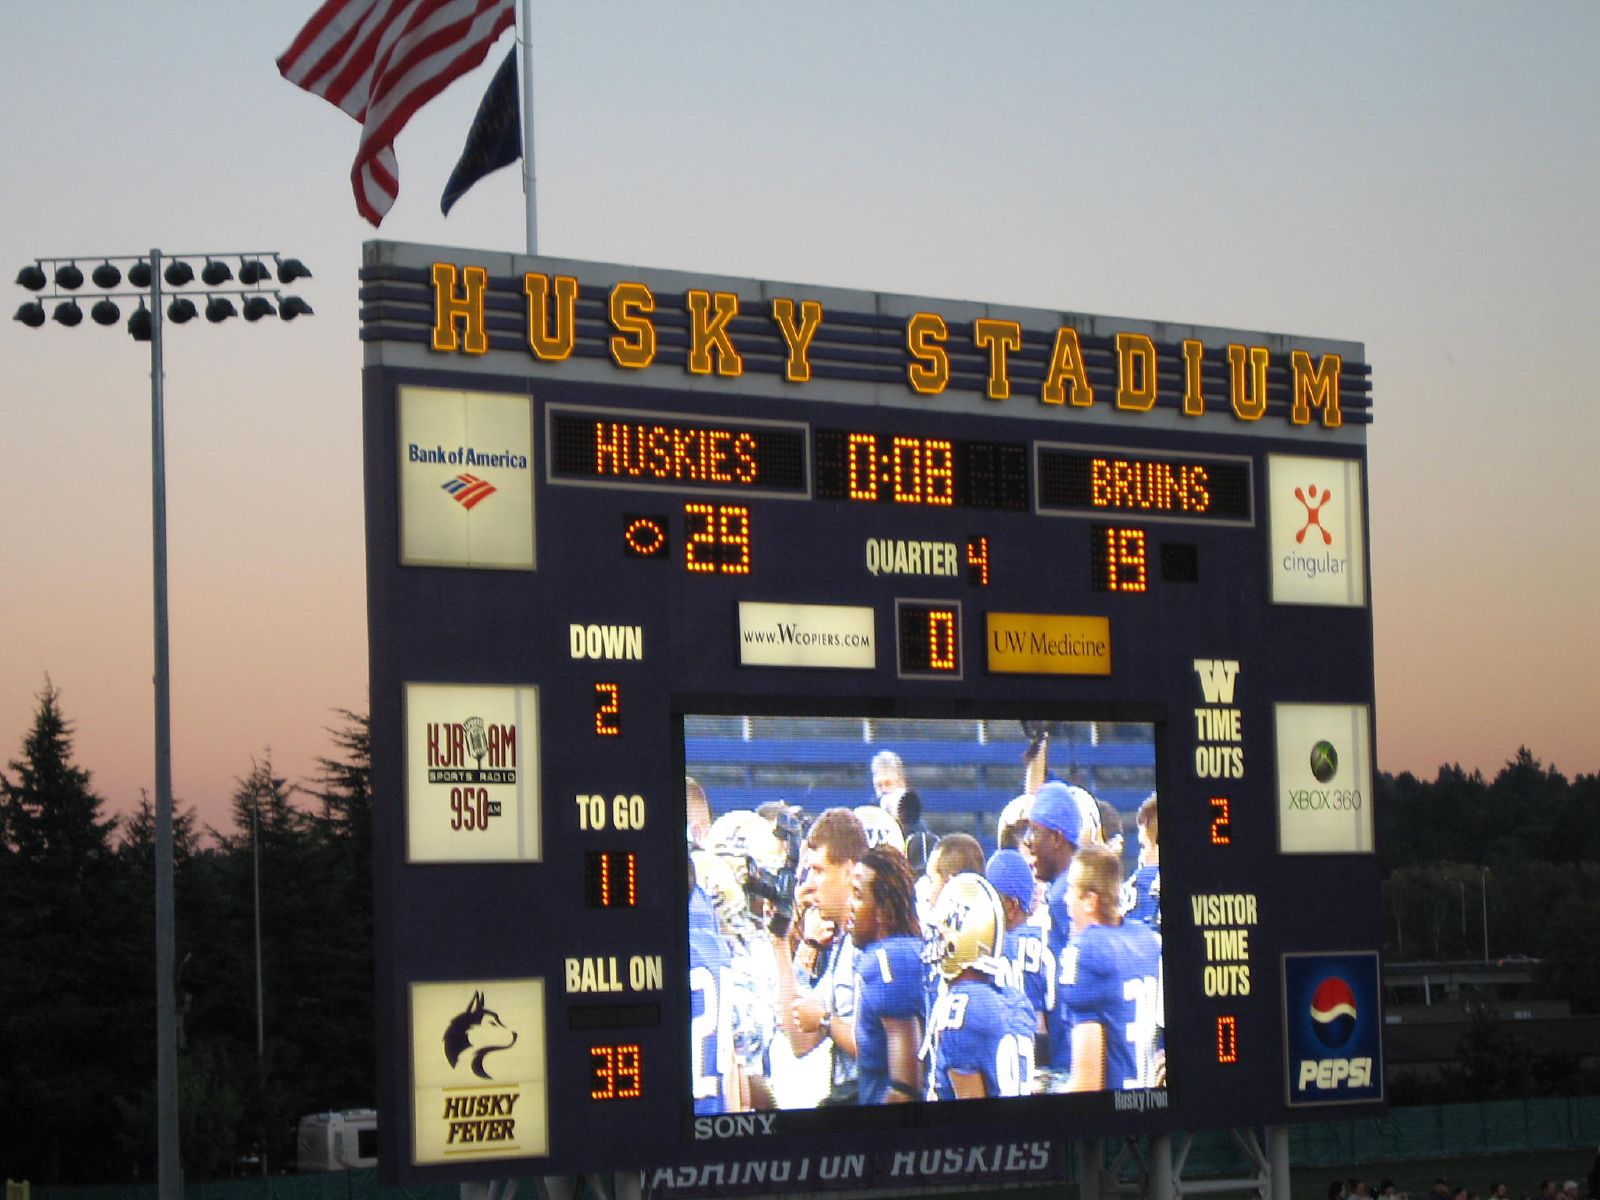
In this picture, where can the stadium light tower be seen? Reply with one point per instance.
(255, 292)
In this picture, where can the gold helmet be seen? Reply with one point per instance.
(714, 877)
(881, 829)
(742, 837)
(969, 926)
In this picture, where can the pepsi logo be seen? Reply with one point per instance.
(1333, 1012)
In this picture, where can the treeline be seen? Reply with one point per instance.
(77, 986)
(1511, 867)
(1518, 854)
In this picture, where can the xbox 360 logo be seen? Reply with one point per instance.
(1324, 761)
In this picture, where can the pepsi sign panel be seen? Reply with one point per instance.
(848, 739)
(1333, 1048)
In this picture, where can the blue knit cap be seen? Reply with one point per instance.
(1070, 811)
(1008, 871)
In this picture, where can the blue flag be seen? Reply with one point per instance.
(495, 139)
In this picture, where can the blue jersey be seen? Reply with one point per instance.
(710, 1018)
(1058, 931)
(982, 1027)
(1142, 901)
(1031, 966)
(1058, 926)
(1111, 975)
(890, 985)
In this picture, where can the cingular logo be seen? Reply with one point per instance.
(1313, 509)
(1324, 761)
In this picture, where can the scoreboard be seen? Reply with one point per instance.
(660, 565)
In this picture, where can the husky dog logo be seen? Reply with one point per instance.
(478, 1030)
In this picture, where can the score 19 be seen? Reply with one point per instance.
(1117, 559)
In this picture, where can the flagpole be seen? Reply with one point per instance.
(529, 179)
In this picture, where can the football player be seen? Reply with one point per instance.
(889, 1005)
(1063, 819)
(1142, 892)
(982, 1029)
(1032, 966)
(826, 1012)
(1110, 982)
(750, 979)
(717, 1088)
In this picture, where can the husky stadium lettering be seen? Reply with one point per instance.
(662, 567)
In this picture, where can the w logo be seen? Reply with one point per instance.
(469, 490)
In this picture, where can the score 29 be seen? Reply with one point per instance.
(716, 538)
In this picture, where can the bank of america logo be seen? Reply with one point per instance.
(469, 490)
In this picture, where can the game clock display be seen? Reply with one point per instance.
(831, 734)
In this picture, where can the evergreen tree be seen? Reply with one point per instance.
(342, 1037)
(66, 941)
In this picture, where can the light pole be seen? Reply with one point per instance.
(259, 299)
(1484, 882)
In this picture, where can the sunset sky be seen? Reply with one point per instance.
(1423, 179)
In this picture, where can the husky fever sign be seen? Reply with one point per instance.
(702, 608)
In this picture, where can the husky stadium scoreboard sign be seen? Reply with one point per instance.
(627, 526)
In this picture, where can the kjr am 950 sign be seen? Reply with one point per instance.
(832, 737)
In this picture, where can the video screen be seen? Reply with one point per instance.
(918, 910)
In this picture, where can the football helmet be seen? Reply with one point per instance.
(715, 877)
(1014, 819)
(969, 927)
(880, 828)
(742, 837)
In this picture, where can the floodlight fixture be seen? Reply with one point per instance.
(68, 276)
(215, 273)
(106, 312)
(291, 307)
(68, 313)
(178, 273)
(32, 277)
(182, 310)
(31, 314)
(106, 276)
(290, 269)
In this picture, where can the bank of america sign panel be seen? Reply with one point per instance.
(466, 479)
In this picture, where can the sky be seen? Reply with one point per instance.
(1420, 178)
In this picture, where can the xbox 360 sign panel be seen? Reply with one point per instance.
(829, 738)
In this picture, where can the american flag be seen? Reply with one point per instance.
(380, 61)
